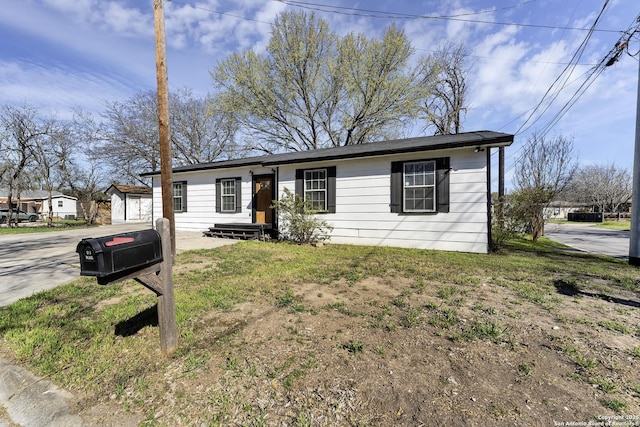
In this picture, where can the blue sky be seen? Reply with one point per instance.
(59, 55)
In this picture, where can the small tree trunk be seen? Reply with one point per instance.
(50, 213)
(537, 227)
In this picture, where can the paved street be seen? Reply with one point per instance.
(31, 263)
(591, 239)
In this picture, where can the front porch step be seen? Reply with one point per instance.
(240, 231)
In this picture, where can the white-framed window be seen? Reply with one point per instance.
(180, 196)
(228, 195)
(419, 186)
(315, 188)
(60, 203)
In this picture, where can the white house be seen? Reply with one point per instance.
(63, 206)
(130, 203)
(427, 192)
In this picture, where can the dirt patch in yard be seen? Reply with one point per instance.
(395, 351)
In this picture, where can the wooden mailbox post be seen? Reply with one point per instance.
(158, 277)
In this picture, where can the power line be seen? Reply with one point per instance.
(369, 13)
(593, 74)
(221, 13)
(493, 58)
(571, 66)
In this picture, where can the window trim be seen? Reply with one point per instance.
(433, 186)
(442, 186)
(224, 195)
(238, 195)
(183, 196)
(330, 178)
(324, 191)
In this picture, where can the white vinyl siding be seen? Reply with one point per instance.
(363, 197)
(201, 213)
(362, 200)
(62, 206)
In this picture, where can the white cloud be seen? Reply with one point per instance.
(58, 88)
(464, 25)
(113, 16)
(80, 8)
(125, 20)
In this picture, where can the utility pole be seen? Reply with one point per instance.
(166, 171)
(634, 243)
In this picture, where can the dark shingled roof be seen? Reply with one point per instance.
(131, 189)
(409, 145)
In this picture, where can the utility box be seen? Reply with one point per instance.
(119, 254)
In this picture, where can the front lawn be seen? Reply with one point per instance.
(615, 225)
(277, 334)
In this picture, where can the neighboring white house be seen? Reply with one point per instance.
(63, 207)
(38, 202)
(130, 203)
(427, 192)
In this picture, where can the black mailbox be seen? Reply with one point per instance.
(119, 254)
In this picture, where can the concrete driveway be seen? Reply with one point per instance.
(34, 262)
(591, 239)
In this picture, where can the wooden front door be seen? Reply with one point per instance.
(263, 196)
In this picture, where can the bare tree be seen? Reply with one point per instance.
(605, 187)
(126, 142)
(82, 174)
(84, 182)
(544, 169)
(312, 89)
(22, 129)
(445, 102)
(53, 152)
(200, 131)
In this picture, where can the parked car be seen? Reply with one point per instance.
(22, 215)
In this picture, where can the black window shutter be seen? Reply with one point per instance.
(218, 196)
(300, 182)
(238, 186)
(396, 187)
(184, 196)
(442, 189)
(331, 189)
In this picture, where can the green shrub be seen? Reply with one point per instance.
(298, 221)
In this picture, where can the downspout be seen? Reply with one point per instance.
(500, 212)
(125, 207)
(488, 199)
(276, 191)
